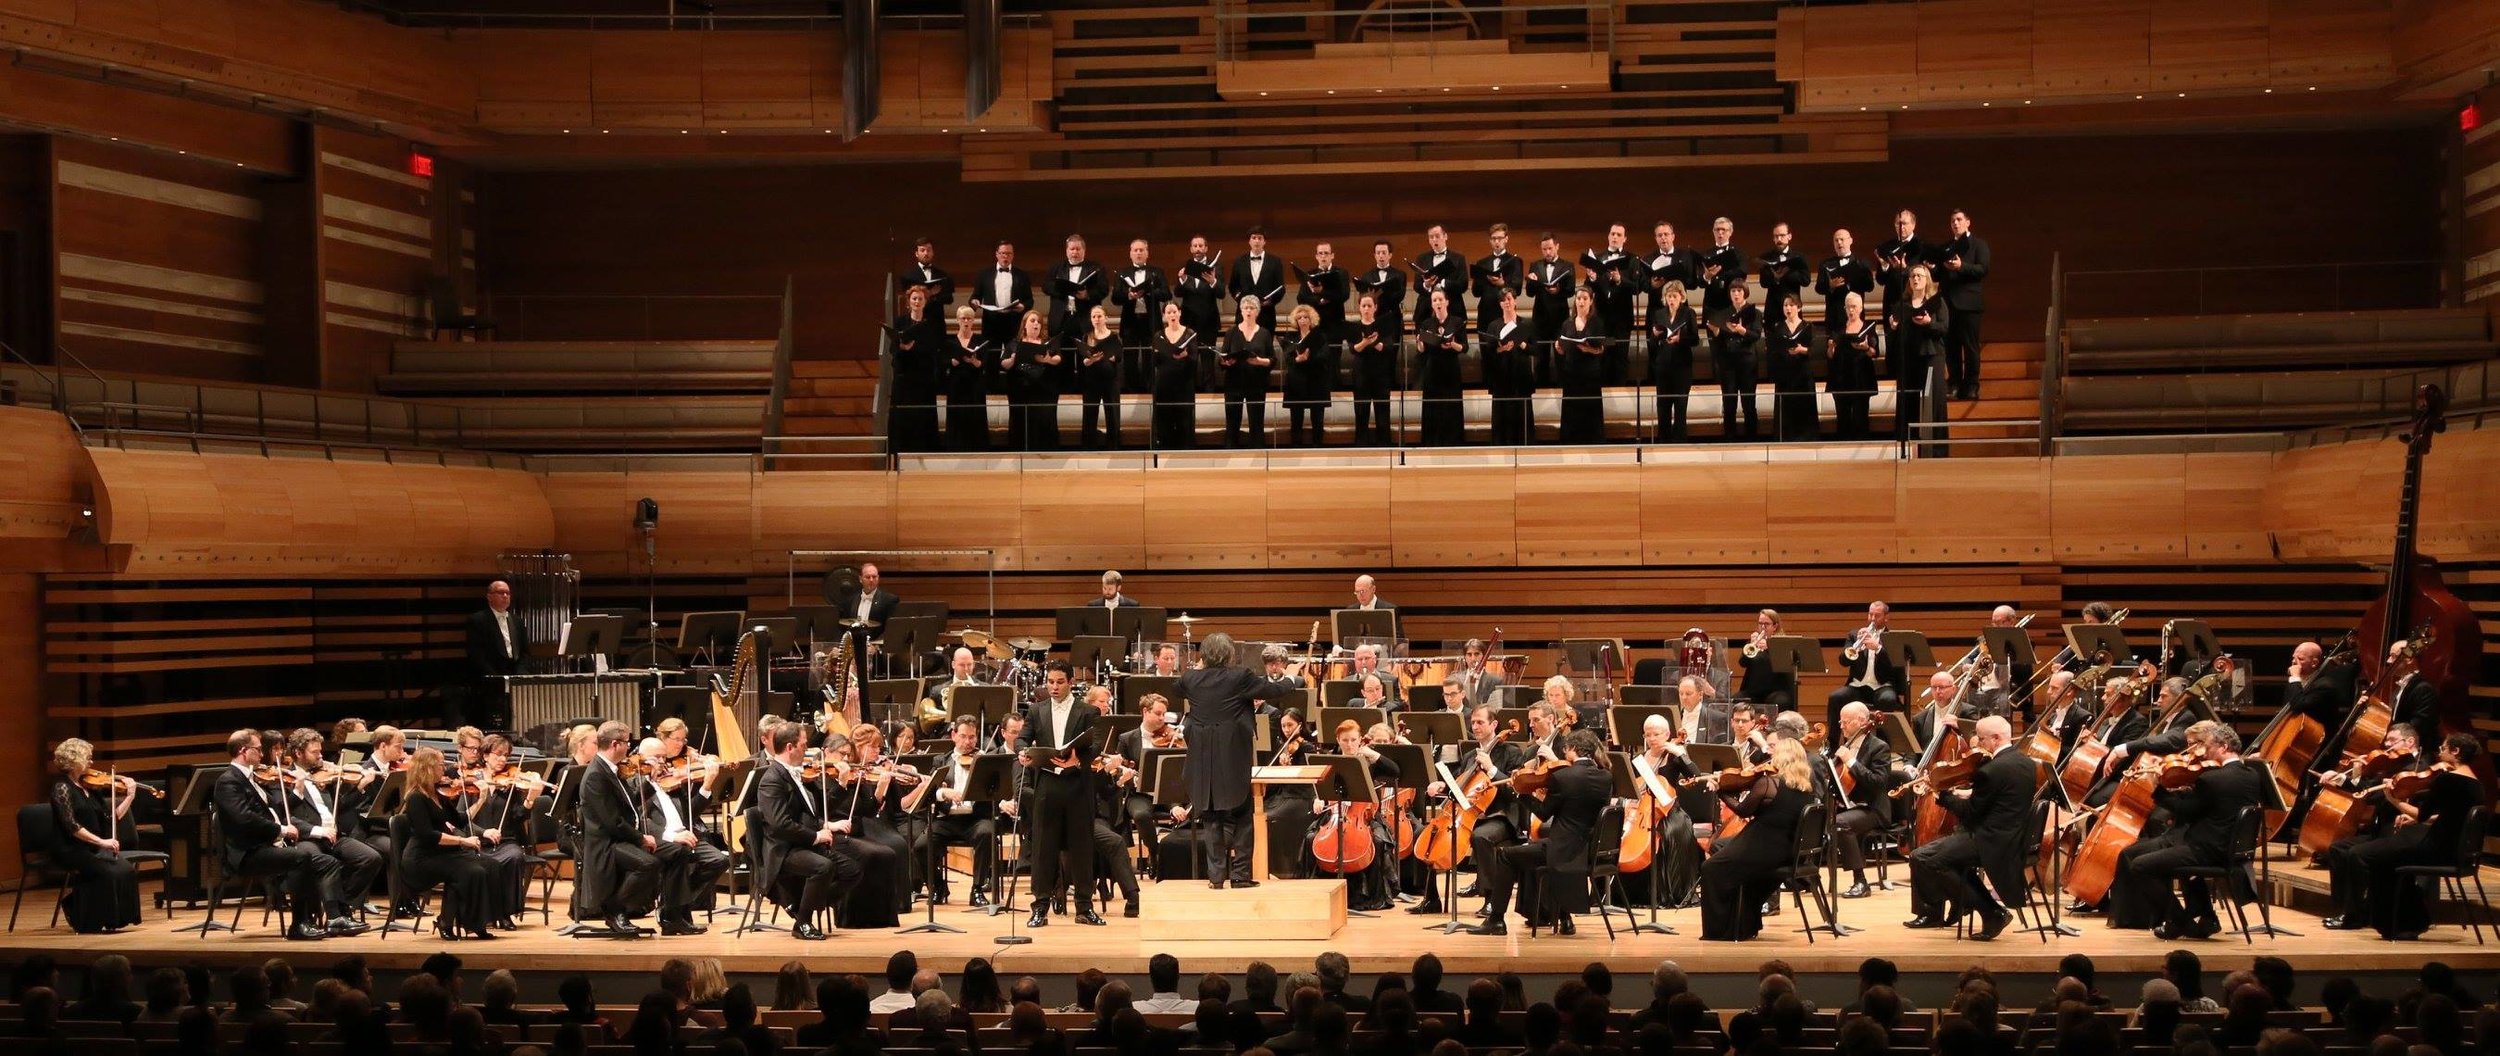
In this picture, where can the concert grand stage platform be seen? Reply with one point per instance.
(1386, 943)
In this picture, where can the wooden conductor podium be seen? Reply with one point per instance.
(1186, 910)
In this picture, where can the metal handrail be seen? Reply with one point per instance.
(2053, 356)
(664, 21)
(2062, 289)
(60, 393)
(782, 349)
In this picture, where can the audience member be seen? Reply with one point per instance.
(1426, 992)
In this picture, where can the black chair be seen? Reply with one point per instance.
(442, 300)
(37, 840)
(2238, 873)
(1804, 873)
(2444, 877)
(272, 885)
(402, 892)
(1605, 856)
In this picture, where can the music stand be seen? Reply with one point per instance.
(911, 636)
(195, 802)
(1329, 717)
(816, 623)
(1141, 623)
(1134, 688)
(1435, 727)
(2090, 640)
(1630, 783)
(693, 704)
(1597, 656)
(753, 917)
(708, 633)
(1114, 727)
(1347, 625)
(1899, 731)
(927, 808)
(1348, 781)
(1167, 772)
(1503, 717)
(1091, 653)
(1082, 621)
(1414, 762)
(596, 638)
(2011, 646)
(894, 694)
(2196, 639)
(993, 780)
(1520, 698)
(2053, 791)
(991, 703)
(1909, 648)
(2265, 869)
(1335, 692)
(1628, 719)
(1795, 654)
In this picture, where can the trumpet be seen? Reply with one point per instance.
(1755, 645)
(1857, 643)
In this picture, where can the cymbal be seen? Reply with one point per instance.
(1186, 619)
(860, 625)
(986, 642)
(1030, 645)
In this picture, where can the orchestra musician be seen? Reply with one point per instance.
(2064, 709)
(315, 802)
(1289, 811)
(1475, 676)
(1761, 684)
(1373, 889)
(620, 867)
(1114, 775)
(498, 641)
(2403, 746)
(1674, 872)
(2424, 831)
(1861, 753)
(1994, 812)
(259, 840)
(1063, 796)
(500, 812)
(1366, 663)
(2203, 817)
(1736, 880)
(1551, 871)
(877, 785)
(87, 819)
(808, 863)
(2124, 723)
(1372, 691)
(937, 706)
(1503, 821)
(442, 850)
(1223, 702)
(873, 605)
(1874, 679)
(960, 822)
(2169, 739)
(1154, 730)
(2416, 700)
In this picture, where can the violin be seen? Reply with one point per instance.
(2403, 787)
(1167, 737)
(2180, 771)
(98, 781)
(1945, 775)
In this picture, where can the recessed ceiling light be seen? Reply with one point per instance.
(2313, 87)
(1497, 87)
(568, 131)
(2182, 95)
(1332, 91)
(1983, 103)
(944, 130)
(1262, 95)
(1861, 109)
(681, 131)
(2026, 102)
(724, 131)
(2139, 97)
(980, 130)
(603, 131)
(2269, 91)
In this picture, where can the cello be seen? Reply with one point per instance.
(2416, 597)
(2095, 866)
(2339, 811)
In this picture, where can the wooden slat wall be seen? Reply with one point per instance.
(378, 245)
(2443, 47)
(159, 262)
(2477, 204)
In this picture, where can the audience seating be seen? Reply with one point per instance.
(2258, 372)
(420, 368)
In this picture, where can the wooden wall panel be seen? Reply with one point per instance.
(1215, 518)
(1481, 528)
(2474, 206)
(965, 511)
(159, 262)
(821, 510)
(2109, 508)
(41, 488)
(1975, 511)
(22, 701)
(1577, 515)
(378, 245)
(1325, 518)
(1705, 513)
(1837, 511)
(1093, 518)
(2225, 515)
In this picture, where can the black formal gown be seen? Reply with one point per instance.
(1310, 381)
(1510, 375)
(1917, 344)
(874, 901)
(967, 394)
(1176, 391)
(1033, 394)
(1245, 385)
(467, 877)
(105, 893)
(1672, 338)
(1098, 383)
(1438, 345)
(1732, 357)
(1736, 879)
(1791, 353)
(1375, 351)
(1582, 365)
(1853, 374)
(919, 345)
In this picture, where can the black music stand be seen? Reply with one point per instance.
(1908, 649)
(1326, 731)
(816, 623)
(1626, 720)
(1141, 623)
(690, 703)
(898, 696)
(2196, 640)
(1414, 764)
(1504, 717)
(1114, 727)
(1167, 772)
(195, 802)
(1795, 654)
(2053, 791)
(1134, 689)
(1095, 653)
(2265, 867)
(1520, 698)
(1348, 780)
(1434, 727)
(2011, 647)
(1082, 621)
(1712, 758)
(1335, 692)
(709, 633)
(2091, 640)
(1449, 880)
(991, 703)
(1596, 656)
(910, 636)
(1347, 626)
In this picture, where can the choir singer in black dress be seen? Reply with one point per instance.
(1915, 332)
(1789, 344)
(1674, 331)
(967, 384)
(105, 894)
(1736, 879)
(1993, 811)
(1098, 380)
(1510, 374)
(1375, 351)
(1248, 359)
(1580, 357)
(1732, 357)
(1440, 338)
(1310, 374)
(1551, 871)
(440, 850)
(919, 337)
(1857, 344)
(1223, 713)
(1176, 382)
(1032, 368)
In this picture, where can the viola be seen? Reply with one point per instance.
(98, 781)
(2403, 787)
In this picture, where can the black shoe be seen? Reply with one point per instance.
(1490, 927)
(484, 933)
(368, 909)
(1992, 924)
(2342, 924)
(444, 931)
(1566, 927)
(1923, 923)
(2202, 928)
(1856, 890)
(1085, 915)
(1041, 918)
(810, 932)
(307, 931)
(1484, 912)
(507, 924)
(938, 899)
(681, 927)
(1470, 891)
(1217, 883)
(1243, 885)
(1130, 910)
(980, 900)
(1059, 906)
(2163, 932)
(2082, 909)
(621, 924)
(343, 927)
(1426, 908)
(2404, 936)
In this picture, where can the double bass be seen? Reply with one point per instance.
(2416, 597)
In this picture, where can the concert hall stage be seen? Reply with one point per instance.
(1386, 943)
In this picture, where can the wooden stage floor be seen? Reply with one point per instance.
(1388, 942)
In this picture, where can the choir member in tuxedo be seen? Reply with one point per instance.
(1550, 282)
(1139, 291)
(1248, 359)
(1616, 279)
(1783, 271)
(1003, 294)
(1097, 355)
(1856, 349)
(924, 275)
(1759, 683)
(319, 813)
(1440, 339)
(808, 863)
(1897, 255)
(1841, 274)
(1509, 373)
(1499, 272)
(1789, 344)
(1962, 264)
(961, 821)
(1994, 812)
(1873, 678)
(1736, 879)
(1310, 374)
(967, 383)
(1505, 820)
(1224, 705)
(1439, 270)
(1862, 754)
(620, 869)
(1375, 352)
(2422, 831)
(260, 840)
(2203, 817)
(1674, 331)
(87, 825)
(1386, 283)
(441, 850)
(1325, 288)
(1258, 281)
(1176, 382)
(1075, 287)
(919, 338)
(1733, 337)
(1914, 335)
(1032, 363)
(1062, 822)
(1555, 864)
(1720, 268)
(1199, 289)
(1580, 358)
